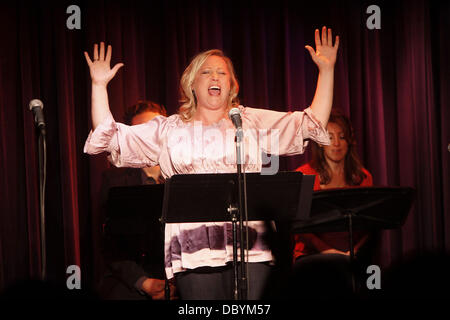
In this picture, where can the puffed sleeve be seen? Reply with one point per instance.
(128, 146)
(291, 130)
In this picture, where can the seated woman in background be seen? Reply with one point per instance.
(335, 166)
(321, 258)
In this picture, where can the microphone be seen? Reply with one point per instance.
(235, 115)
(36, 106)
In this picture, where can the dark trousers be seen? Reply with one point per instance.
(217, 283)
(324, 276)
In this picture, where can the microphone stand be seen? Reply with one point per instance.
(42, 147)
(36, 107)
(242, 210)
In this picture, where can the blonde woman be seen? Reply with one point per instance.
(197, 140)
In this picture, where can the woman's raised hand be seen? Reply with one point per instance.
(100, 69)
(325, 55)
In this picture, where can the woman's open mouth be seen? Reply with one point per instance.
(214, 90)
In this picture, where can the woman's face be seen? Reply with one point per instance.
(338, 148)
(212, 84)
(143, 117)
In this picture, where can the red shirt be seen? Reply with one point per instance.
(337, 240)
(307, 169)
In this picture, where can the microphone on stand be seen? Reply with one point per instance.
(235, 115)
(36, 106)
(241, 286)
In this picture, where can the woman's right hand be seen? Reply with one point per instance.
(100, 69)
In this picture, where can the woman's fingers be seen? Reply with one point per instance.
(324, 36)
(317, 38)
(336, 43)
(311, 51)
(88, 59)
(102, 51)
(108, 54)
(95, 55)
(116, 68)
(99, 53)
(330, 38)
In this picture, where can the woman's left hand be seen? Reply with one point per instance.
(325, 55)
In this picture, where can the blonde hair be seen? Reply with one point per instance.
(188, 99)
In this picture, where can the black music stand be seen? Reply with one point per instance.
(209, 198)
(356, 209)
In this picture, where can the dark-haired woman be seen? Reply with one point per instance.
(335, 166)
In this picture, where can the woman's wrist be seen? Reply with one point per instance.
(99, 85)
(329, 70)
